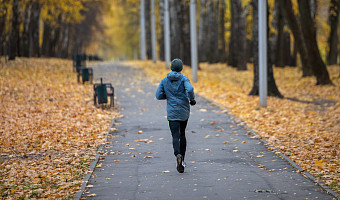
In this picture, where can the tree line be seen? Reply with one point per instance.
(49, 28)
(227, 32)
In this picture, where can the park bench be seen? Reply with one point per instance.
(101, 93)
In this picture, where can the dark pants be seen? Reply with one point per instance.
(178, 136)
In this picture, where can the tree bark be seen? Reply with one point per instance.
(148, 29)
(46, 45)
(309, 33)
(202, 32)
(14, 39)
(4, 11)
(212, 33)
(293, 57)
(255, 49)
(184, 21)
(238, 40)
(286, 55)
(272, 88)
(278, 39)
(175, 30)
(333, 36)
(221, 35)
(24, 43)
(288, 13)
(180, 30)
(161, 38)
(55, 40)
(34, 30)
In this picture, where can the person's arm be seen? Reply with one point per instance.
(189, 89)
(160, 93)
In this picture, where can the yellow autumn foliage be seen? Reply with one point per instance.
(49, 129)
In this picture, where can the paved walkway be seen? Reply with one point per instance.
(223, 161)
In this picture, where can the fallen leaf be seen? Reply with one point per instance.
(148, 157)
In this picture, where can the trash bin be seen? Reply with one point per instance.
(78, 62)
(85, 74)
(101, 93)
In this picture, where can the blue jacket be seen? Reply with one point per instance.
(178, 91)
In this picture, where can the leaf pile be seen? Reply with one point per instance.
(49, 129)
(305, 125)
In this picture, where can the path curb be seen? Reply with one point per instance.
(290, 161)
(92, 166)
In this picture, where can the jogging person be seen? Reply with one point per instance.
(179, 93)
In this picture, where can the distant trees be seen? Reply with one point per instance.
(67, 27)
(61, 28)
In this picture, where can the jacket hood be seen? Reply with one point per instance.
(174, 76)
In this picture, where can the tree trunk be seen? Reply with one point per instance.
(221, 35)
(309, 33)
(13, 46)
(333, 36)
(4, 11)
(34, 30)
(148, 30)
(184, 22)
(278, 39)
(255, 49)
(46, 45)
(24, 43)
(55, 40)
(232, 43)
(161, 38)
(175, 30)
(212, 33)
(293, 57)
(202, 32)
(238, 40)
(286, 56)
(272, 88)
(288, 13)
(180, 31)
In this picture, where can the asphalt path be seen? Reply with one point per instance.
(224, 161)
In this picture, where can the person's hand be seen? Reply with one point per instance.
(193, 102)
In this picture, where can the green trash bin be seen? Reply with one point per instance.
(101, 94)
(85, 74)
(78, 62)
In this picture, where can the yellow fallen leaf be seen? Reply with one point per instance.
(319, 163)
(148, 157)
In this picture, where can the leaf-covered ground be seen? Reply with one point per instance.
(305, 125)
(49, 129)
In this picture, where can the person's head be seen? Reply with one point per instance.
(176, 65)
